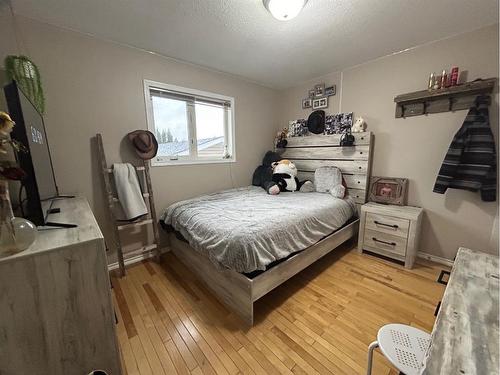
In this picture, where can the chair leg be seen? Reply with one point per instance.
(371, 348)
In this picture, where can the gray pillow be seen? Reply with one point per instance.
(329, 180)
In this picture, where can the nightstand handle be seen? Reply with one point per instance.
(386, 225)
(387, 243)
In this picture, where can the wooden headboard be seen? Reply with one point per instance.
(314, 151)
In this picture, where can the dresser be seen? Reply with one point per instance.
(391, 231)
(56, 312)
(464, 339)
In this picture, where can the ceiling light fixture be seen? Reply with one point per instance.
(284, 10)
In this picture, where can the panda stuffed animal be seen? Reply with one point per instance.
(285, 177)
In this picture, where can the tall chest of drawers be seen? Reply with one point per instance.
(391, 231)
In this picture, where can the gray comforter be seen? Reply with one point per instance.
(246, 229)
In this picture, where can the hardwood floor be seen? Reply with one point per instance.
(320, 321)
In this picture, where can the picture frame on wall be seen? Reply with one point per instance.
(388, 190)
(319, 90)
(320, 103)
(330, 91)
(307, 103)
(311, 93)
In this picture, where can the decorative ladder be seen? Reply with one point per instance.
(118, 225)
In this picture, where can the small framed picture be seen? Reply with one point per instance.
(330, 91)
(320, 103)
(388, 190)
(307, 103)
(319, 90)
(311, 93)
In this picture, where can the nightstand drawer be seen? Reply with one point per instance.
(374, 240)
(387, 224)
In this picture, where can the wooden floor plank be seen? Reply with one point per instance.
(219, 360)
(203, 353)
(319, 322)
(153, 327)
(125, 314)
(144, 337)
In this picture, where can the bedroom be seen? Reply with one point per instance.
(95, 60)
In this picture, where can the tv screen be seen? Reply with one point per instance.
(40, 184)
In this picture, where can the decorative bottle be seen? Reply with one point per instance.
(16, 234)
(430, 85)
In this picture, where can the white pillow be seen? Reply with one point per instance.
(329, 180)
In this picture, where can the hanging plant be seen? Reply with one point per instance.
(24, 71)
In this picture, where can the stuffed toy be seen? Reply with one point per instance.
(359, 125)
(280, 139)
(274, 176)
(285, 176)
(263, 174)
(330, 180)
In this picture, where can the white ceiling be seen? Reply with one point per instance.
(242, 38)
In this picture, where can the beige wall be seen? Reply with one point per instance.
(8, 44)
(95, 86)
(415, 147)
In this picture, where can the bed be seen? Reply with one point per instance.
(224, 238)
(246, 229)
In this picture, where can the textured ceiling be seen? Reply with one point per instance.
(242, 38)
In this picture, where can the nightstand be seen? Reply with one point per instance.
(391, 231)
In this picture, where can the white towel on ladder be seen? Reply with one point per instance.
(129, 191)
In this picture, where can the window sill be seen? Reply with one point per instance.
(169, 163)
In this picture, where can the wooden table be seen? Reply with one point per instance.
(465, 336)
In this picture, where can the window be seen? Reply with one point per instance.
(191, 126)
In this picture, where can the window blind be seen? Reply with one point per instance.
(190, 98)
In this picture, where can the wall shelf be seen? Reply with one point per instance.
(442, 100)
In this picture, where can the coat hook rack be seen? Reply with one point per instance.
(442, 100)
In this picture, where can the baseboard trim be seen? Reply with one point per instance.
(435, 259)
(137, 258)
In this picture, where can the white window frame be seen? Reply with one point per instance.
(190, 159)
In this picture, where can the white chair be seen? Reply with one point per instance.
(404, 346)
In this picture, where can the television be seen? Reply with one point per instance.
(40, 183)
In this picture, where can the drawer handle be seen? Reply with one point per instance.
(386, 225)
(384, 242)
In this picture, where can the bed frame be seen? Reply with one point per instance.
(237, 291)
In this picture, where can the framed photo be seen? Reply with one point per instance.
(388, 190)
(312, 92)
(319, 90)
(307, 103)
(320, 103)
(339, 123)
(297, 128)
(330, 91)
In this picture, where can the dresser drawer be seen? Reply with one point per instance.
(387, 224)
(376, 240)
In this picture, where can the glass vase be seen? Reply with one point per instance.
(7, 236)
(16, 234)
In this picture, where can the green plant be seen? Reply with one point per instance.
(24, 71)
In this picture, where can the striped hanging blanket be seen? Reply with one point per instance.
(470, 163)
